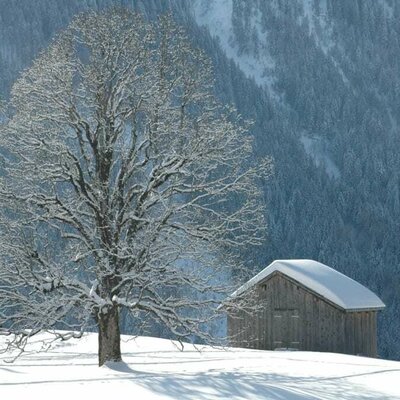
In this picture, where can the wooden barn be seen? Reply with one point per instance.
(306, 305)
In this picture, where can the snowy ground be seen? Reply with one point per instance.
(156, 369)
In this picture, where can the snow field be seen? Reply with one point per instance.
(156, 369)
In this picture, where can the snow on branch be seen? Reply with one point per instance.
(126, 183)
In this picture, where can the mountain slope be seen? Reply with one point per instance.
(331, 74)
(321, 82)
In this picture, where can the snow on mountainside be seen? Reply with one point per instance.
(256, 60)
(315, 147)
(157, 369)
(254, 56)
(217, 17)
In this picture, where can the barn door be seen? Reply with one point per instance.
(286, 329)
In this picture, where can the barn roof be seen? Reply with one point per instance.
(323, 280)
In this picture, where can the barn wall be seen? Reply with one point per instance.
(361, 333)
(313, 323)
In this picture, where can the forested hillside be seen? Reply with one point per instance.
(321, 81)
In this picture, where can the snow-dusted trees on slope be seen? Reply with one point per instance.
(126, 185)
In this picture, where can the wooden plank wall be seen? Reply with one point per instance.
(361, 333)
(320, 325)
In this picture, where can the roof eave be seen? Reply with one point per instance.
(365, 309)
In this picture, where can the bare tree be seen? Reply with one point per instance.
(126, 184)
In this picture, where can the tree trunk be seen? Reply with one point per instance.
(109, 336)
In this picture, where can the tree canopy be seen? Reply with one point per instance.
(126, 185)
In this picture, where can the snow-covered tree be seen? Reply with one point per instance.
(125, 184)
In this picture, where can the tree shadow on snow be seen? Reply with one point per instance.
(235, 385)
(215, 384)
(119, 367)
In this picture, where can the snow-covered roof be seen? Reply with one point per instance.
(323, 280)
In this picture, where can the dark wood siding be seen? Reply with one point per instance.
(361, 333)
(294, 317)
